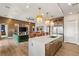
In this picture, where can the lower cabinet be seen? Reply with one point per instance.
(47, 49)
(52, 47)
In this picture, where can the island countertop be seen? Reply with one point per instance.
(37, 44)
(44, 39)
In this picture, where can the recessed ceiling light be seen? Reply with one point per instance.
(27, 6)
(70, 12)
(69, 4)
(28, 3)
(42, 14)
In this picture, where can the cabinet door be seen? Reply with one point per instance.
(47, 49)
(51, 48)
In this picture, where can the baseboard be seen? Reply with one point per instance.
(73, 42)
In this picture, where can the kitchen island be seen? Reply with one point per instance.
(44, 45)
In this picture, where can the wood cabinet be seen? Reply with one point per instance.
(52, 47)
(47, 49)
(44, 45)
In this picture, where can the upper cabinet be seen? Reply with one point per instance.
(58, 21)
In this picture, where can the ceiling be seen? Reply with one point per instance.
(20, 12)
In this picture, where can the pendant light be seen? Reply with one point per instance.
(47, 20)
(39, 17)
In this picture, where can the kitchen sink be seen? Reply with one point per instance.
(53, 36)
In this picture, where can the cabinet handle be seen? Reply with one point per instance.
(32, 44)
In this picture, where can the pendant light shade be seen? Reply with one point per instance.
(47, 21)
(39, 17)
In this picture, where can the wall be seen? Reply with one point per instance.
(11, 24)
(71, 28)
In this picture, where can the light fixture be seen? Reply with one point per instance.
(47, 20)
(70, 12)
(39, 17)
(69, 4)
(42, 14)
(52, 23)
(27, 6)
